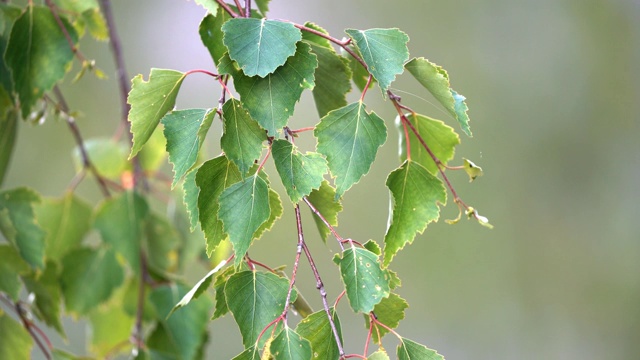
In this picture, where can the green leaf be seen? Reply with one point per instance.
(379, 355)
(96, 23)
(186, 328)
(11, 266)
(255, 299)
(242, 138)
(384, 51)
(317, 329)
(153, 155)
(199, 288)
(349, 138)
(210, 5)
(211, 32)
(218, 285)
(212, 178)
(19, 226)
(8, 14)
(244, 206)
(435, 79)
(120, 221)
(48, 297)
(410, 350)
(15, 342)
(300, 173)
(416, 195)
(394, 280)
(38, 54)
(8, 133)
(276, 212)
(372, 246)
(89, 277)
(150, 101)
(190, 198)
(332, 75)
(107, 156)
(160, 245)
(110, 326)
(185, 131)
(440, 138)
(66, 221)
(289, 345)
(324, 200)
(365, 282)
(271, 99)
(472, 169)
(389, 312)
(260, 46)
(251, 353)
(360, 74)
(263, 6)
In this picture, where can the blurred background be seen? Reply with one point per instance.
(553, 88)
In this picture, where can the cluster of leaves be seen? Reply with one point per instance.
(129, 278)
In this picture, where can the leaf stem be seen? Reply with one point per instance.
(343, 44)
(227, 8)
(366, 87)
(202, 71)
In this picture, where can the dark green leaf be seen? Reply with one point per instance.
(19, 226)
(15, 342)
(199, 288)
(8, 132)
(317, 329)
(349, 137)
(242, 138)
(260, 46)
(66, 220)
(186, 328)
(288, 345)
(332, 75)
(185, 131)
(120, 221)
(365, 282)
(107, 156)
(8, 14)
(324, 200)
(410, 350)
(150, 101)
(38, 54)
(389, 312)
(255, 299)
(271, 100)
(11, 266)
(212, 178)
(244, 206)
(300, 173)
(416, 195)
(435, 79)
(89, 277)
(440, 138)
(384, 51)
(48, 298)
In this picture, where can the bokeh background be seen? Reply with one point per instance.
(553, 88)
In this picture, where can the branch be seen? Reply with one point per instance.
(324, 220)
(227, 8)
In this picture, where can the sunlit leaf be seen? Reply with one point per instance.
(289, 345)
(440, 138)
(389, 312)
(435, 79)
(324, 200)
(19, 226)
(300, 173)
(38, 54)
(415, 198)
(384, 51)
(15, 342)
(349, 137)
(365, 282)
(263, 6)
(411, 350)
(255, 299)
(259, 46)
(210, 5)
(185, 131)
(150, 101)
(317, 329)
(242, 138)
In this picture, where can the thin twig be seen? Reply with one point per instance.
(227, 8)
(247, 8)
(295, 264)
(240, 10)
(63, 28)
(324, 220)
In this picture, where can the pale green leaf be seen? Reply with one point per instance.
(389, 312)
(384, 51)
(210, 5)
(212, 178)
(435, 79)
(260, 46)
(255, 299)
(89, 277)
(263, 6)
(242, 138)
(324, 200)
(185, 131)
(15, 342)
(66, 221)
(365, 282)
(379, 355)
(120, 221)
(271, 99)
(411, 350)
(300, 173)
(415, 199)
(289, 345)
(439, 137)
(372, 246)
(96, 23)
(317, 329)
(472, 169)
(38, 54)
(394, 280)
(349, 138)
(150, 101)
(250, 353)
(190, 198)
(48, 297)
(108, 157)
(199, 288)
(244, 206)
(153, 155)
(11, 267)
(110, 326)
(76, 6)
(19, 226)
